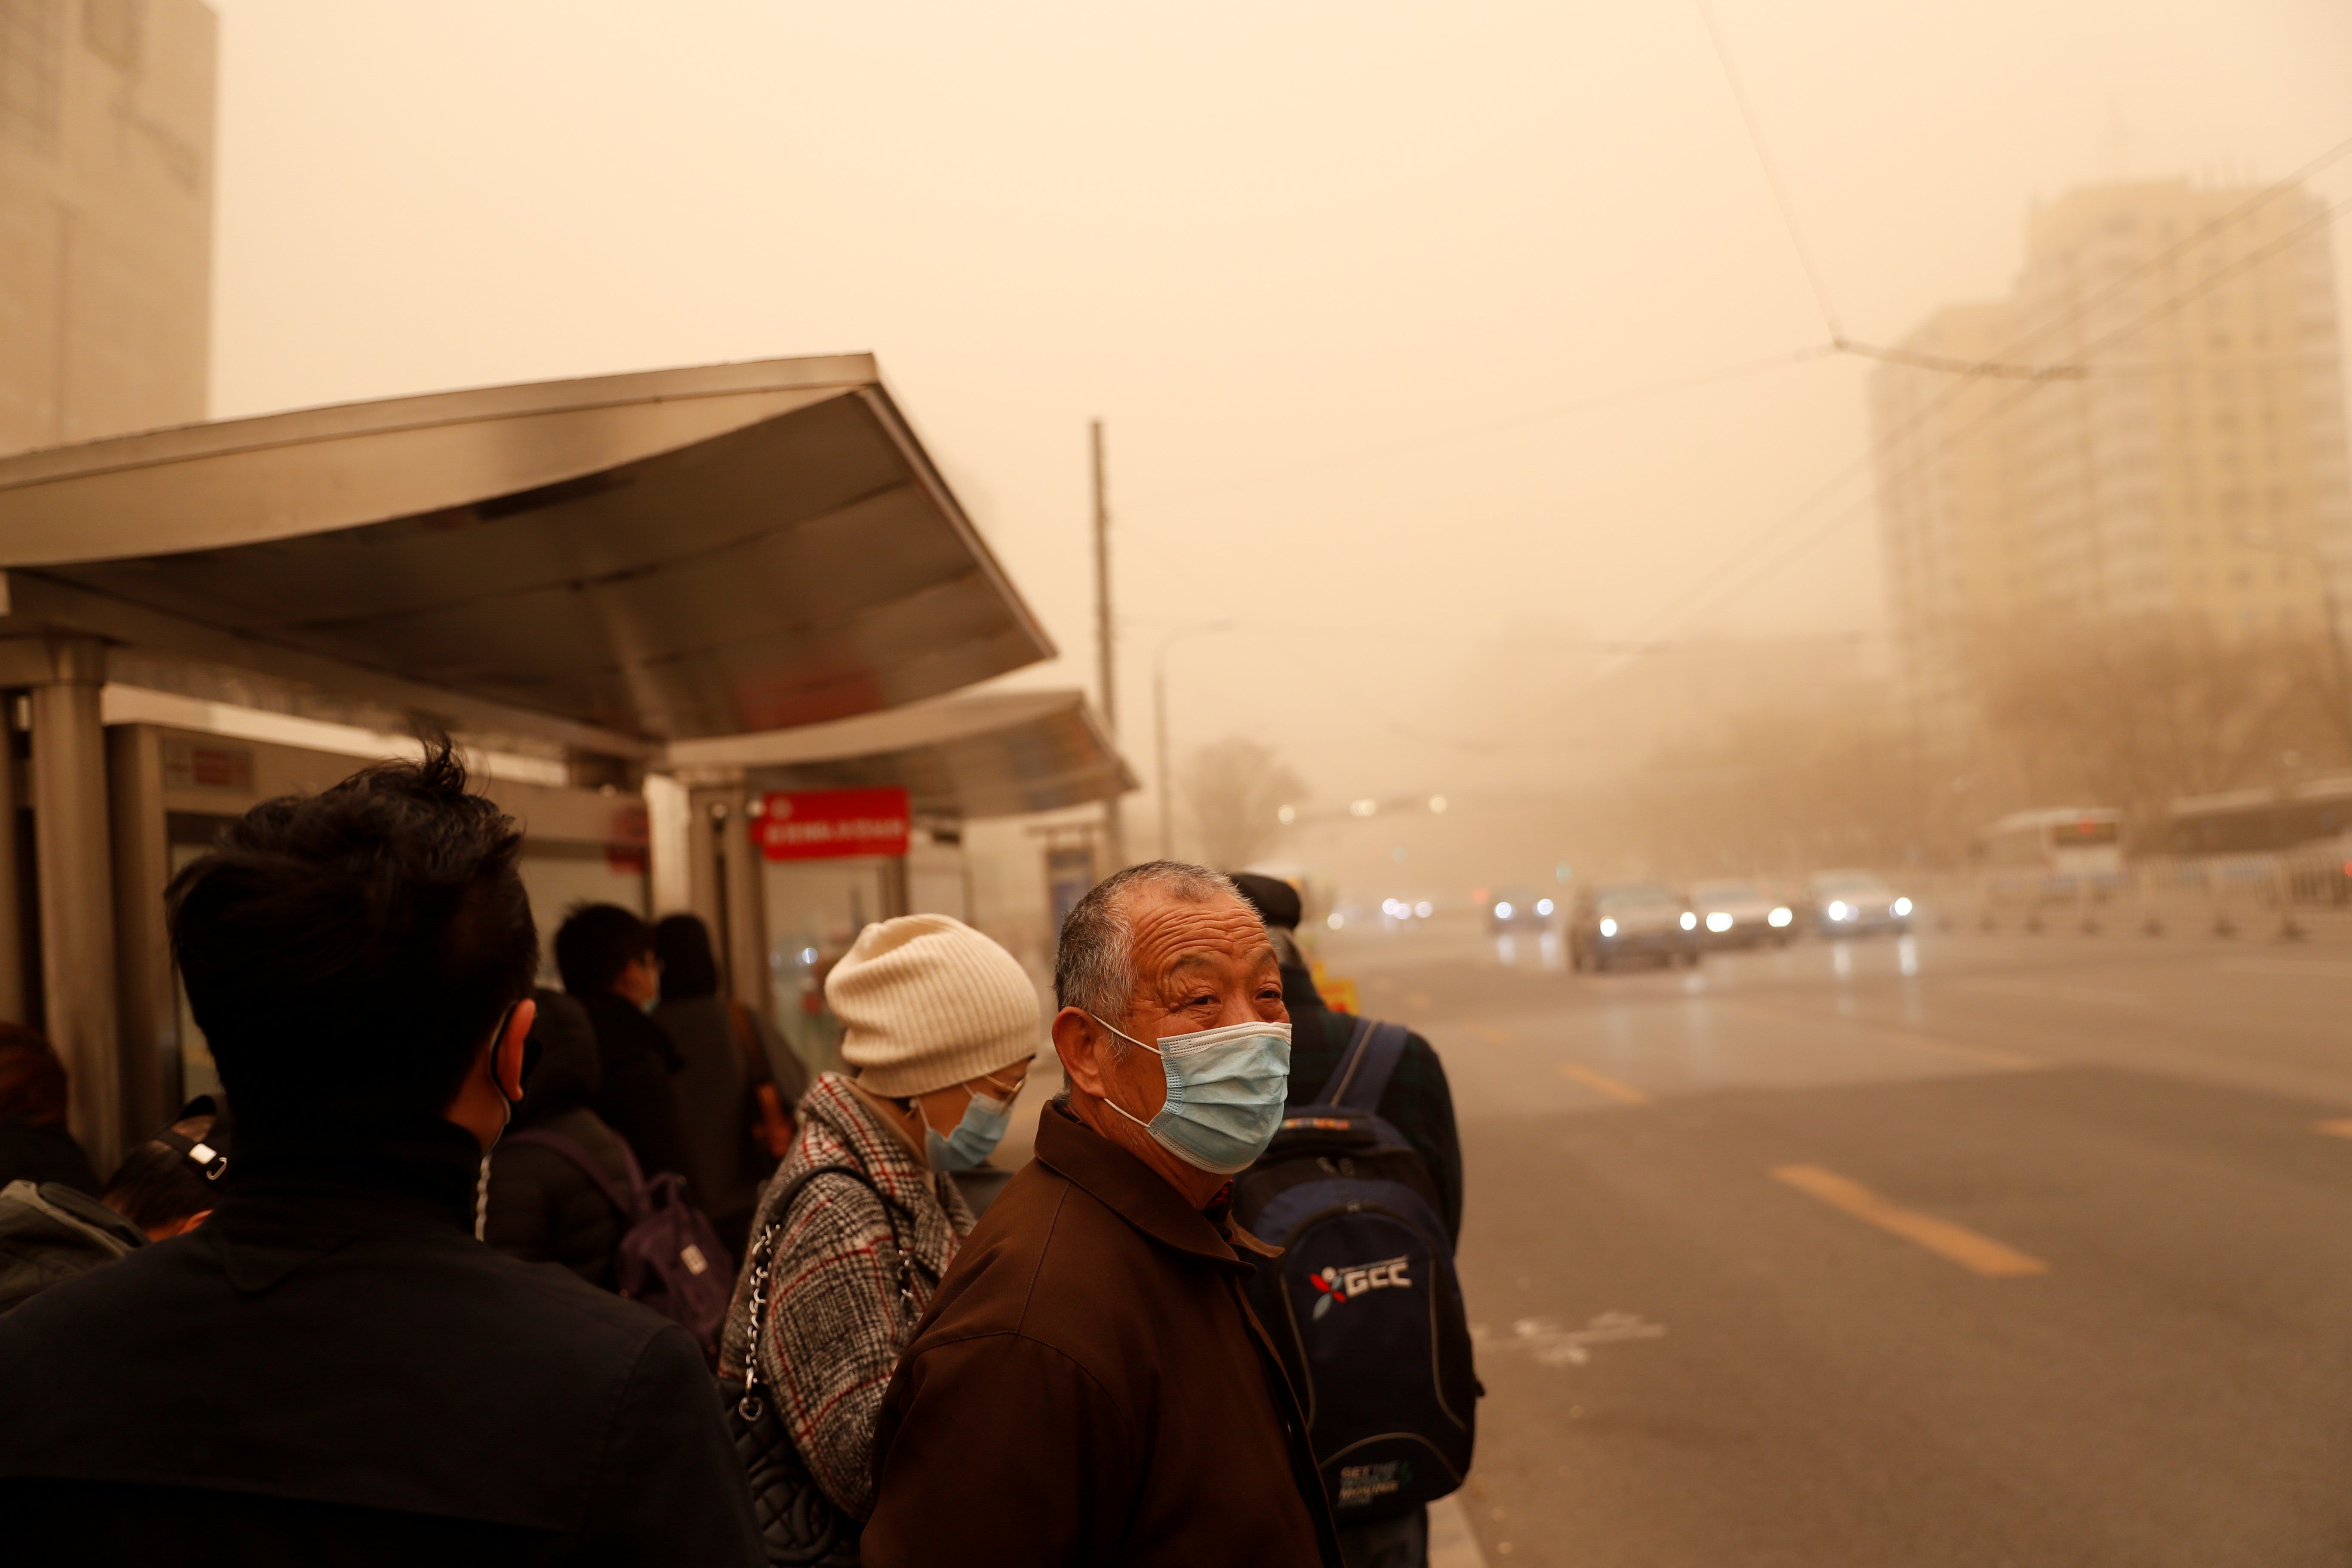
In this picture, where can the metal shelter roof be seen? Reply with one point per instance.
(996, 753)
(610, 563)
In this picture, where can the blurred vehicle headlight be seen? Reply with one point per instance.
(1718, 920)
(1841, 911)
(1423, 908)
(1336, 920)
(1502, 911)
(1690, 920)
(1900, 908)
(1782, 915)
(1543, 906)
(1608, 928)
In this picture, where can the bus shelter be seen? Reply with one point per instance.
(937, 765)
(572, 577)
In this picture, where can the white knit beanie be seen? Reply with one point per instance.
(925, 1001)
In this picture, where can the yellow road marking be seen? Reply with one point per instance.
(1941, 1237)
(1603, 1083)
(1500, 1037)
(2342, 1129)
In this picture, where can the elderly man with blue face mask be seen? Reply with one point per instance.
(1089, 1386)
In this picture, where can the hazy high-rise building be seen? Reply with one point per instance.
(106, 217)
(2181, 455)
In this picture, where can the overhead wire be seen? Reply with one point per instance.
(1702, 593)
(1952, 440)
(1772, 176)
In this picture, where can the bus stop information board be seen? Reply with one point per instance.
(830, 824)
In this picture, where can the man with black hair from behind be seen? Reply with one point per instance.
(605, 955)
(331, 1368)
(50, 1232)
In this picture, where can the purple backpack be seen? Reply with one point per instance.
(669, 1258)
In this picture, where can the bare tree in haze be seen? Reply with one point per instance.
(2136, 712)
(1232, 791)
(1780, 791)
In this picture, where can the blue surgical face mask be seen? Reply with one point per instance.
(975, 1138)
(1224, 1093)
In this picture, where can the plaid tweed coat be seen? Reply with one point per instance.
(835, 1323)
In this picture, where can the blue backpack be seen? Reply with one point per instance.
(1363, 1302)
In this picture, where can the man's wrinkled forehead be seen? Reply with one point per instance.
(1173, 936)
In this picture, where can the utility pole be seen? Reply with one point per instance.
(1114, 833)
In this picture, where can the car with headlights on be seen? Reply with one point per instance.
(1516, 911)
(1855, 903)
(1742, 914)
(1631, 919)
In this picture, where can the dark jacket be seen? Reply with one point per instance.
(43, 1151)
(636, 1097)
(1418, 1103)
(332, 1369)
(542, 1207)
(715, 1105)
(1089, 1386)
(49, 1234)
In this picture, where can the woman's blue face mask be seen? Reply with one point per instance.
(1225, 1089)
(975, 1138)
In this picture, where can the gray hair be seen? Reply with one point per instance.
(1095, 967)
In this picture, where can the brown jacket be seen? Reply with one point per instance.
(1089, 1386)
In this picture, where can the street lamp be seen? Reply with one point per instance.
(2328, 602)
(1160, 717)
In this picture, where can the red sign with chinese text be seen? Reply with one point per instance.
(826, 823)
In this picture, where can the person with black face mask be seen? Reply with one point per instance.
(331, 1368)
(606, 957)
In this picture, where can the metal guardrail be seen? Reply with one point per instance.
(2290, 894)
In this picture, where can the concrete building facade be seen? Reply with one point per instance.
(2155, 427)
(106, 217)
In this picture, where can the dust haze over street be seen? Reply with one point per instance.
(1554, 487)
(1691, 1361)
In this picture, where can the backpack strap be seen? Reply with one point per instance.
(632, 1203)
(1363, 1073)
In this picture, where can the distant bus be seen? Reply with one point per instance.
(2033, 856)
(2260, 821)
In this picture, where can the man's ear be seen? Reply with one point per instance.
(506, 1052)
(1075, 1038)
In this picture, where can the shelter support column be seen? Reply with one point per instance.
(669, 845)
(13, 997)
(75, 867)
(726, 888)
(747, 910)
(148, 1017)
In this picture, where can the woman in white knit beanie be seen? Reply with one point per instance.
(858, 1224)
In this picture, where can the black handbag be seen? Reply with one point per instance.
(799, 1525)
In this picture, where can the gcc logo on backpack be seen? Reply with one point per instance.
(1346, 1284)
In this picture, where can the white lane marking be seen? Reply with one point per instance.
(2315, 970)
(2043, 991)
(1554, 1345)
(1452, 1542)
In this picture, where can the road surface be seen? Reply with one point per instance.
(1955, 1249)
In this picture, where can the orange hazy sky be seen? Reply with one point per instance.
(1401, 317)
